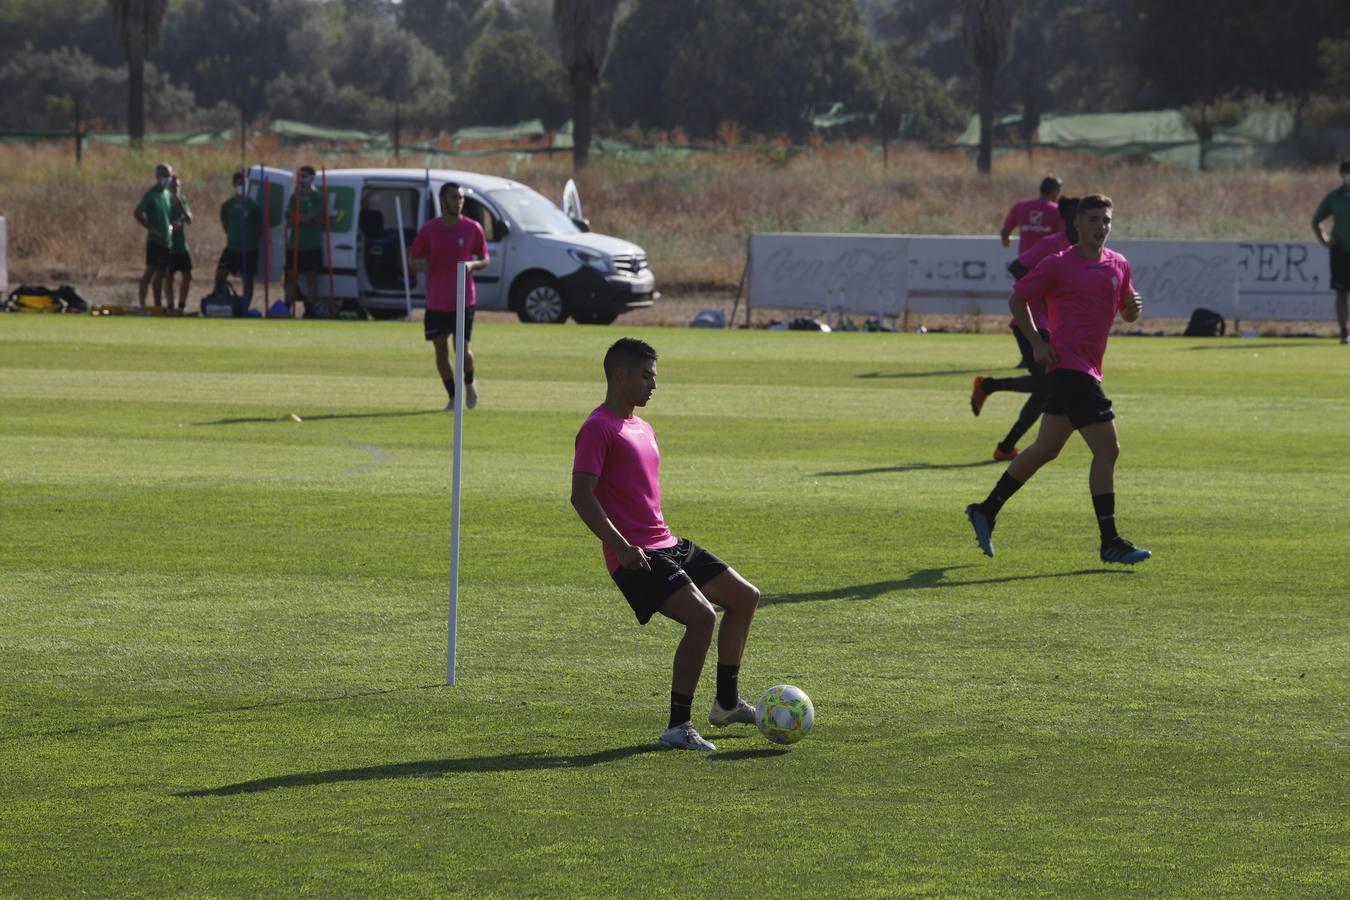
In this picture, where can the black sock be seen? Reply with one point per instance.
(1105, 505)
(727, 692)
(468, 376)
(681, 708)
(1006, 487)
(449, 386)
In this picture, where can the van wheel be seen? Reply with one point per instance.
(539, 299)
(595, 318)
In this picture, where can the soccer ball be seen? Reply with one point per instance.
(785, 714)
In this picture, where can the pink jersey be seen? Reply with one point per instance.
(444, 245)
(1083, 296)
(1034, 219)
(1055, 243)
(622, 454)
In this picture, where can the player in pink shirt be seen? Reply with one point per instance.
(1033, 384)
(1034, 219)
(616, 490)
(441, 245)
(1085, 288)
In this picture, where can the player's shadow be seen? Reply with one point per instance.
(427, 768)
(907, 467)
(921, 374)
(382, 415)
(923, 579)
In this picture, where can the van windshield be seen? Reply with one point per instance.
(533, 212)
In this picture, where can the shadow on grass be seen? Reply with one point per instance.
(908, 467)
(923, 579)
(428, 768)
(922, 374)
(385, 415)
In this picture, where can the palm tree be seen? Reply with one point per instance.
(137, 24)
(583, 28)
(987, 32)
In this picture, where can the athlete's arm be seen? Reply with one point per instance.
(1022, 316)
(1132, 307)
(593, 514)
(1006, 236)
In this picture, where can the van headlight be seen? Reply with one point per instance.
(597, 261)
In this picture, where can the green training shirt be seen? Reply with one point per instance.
(179, 207)
(155, 206)
(311, 233)
(1336, 205)
(234, 229)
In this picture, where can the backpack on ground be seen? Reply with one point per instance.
(1206, 323)
(223, 304)
(37, 298)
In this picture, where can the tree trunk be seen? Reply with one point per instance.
(136, 100)
(984, 162)
(582, 82)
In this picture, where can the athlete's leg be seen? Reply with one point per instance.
(144, 286)
(691, 609)
(740, 599)
(1342, 308)
(157, 286)
(183, 290)
(441, 343)
(1054, 434)
(1105, 446)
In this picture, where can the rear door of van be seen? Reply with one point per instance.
(389, 211)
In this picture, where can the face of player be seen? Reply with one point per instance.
(1093, 226)
(452, 203)
(638, 383)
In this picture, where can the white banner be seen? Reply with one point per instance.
(892, 274)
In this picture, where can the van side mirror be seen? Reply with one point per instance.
(583, 224)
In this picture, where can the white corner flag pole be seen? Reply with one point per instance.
(403, 255)
(458, 454)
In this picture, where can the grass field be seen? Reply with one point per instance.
(223, 635)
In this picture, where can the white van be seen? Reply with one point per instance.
(545, 265)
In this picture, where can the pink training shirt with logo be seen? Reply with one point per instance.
(444, 245)
(622, 454)
(1083, 296)
(1034, 220)
(1055, 243)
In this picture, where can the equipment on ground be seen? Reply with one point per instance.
(785, 714)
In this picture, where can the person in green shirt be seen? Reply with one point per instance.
(180, 257)
(1336, 206)
(241, 218)
(304, 252)
(153, 214)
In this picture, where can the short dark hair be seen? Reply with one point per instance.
(627, 352)
(1345, 167)
(1093, 201)
(447, 188)
(307, 170)
(1050, 184)
(1068, 211)
(238, 177)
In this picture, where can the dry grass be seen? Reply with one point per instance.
(692, 212)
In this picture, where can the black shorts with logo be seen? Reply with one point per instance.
(672, 568)
(306, 261)
(436, 323)
(157, 256)
(1077, 396)
(180, 261)
(1340, 269)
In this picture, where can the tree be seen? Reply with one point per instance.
(507, 78)
(137, 25)
(583, 28)
(987, 32)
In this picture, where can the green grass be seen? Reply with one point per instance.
(223, 636)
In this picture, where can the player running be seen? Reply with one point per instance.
(616, 490)
(1085, 288)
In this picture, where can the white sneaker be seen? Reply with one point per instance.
(684, 737)
(470, 395)
(742, 714)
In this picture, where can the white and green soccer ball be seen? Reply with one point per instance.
(785, 714)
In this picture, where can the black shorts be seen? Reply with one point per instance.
(1340, 269)
(1077, 396)
(307, 261)
(180, 261)
(156, 256)
(672, 568)
(232, 261)
(436, 323)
